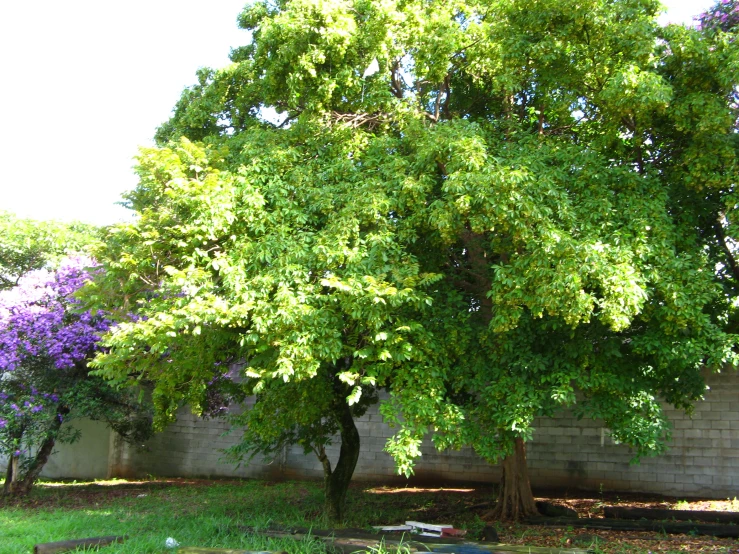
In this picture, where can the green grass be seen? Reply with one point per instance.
(212, 515)
(209, 516)
(219, 514)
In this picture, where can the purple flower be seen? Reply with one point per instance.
(37, 319)
(724, 17)
(45, 337)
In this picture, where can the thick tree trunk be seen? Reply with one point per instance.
(515, 499)
(337, 481)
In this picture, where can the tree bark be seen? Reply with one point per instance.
(10, 474)
(21, 487)
(515, 499)
(721, 237)
(16, 486)
(337, 481)
(25, 485)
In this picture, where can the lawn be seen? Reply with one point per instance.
(215, 514)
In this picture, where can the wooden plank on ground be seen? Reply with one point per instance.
(349, 533)
(503, 548)
(349, 545)
(619, 512)
(66, 546)
(670, 527)
(199, 550)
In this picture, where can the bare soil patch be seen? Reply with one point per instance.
(81, 495)
(468, 507)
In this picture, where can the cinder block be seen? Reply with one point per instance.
(722, 425)
(721, 482)
(693, 489)
(681, 424)
(703, 479)
(709, 470)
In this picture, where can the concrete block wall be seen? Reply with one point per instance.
(375, 464)
(190, 447)
(702, 458)
(88, 458)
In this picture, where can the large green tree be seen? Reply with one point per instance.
(273, 256)
(588, 226)
(494, 208)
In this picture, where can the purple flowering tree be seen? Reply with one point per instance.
(46, 339)
(723, 16)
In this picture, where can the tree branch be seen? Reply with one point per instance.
(721, 236)
(396, 84)
(355, 120)
(442, 92)
(448, 88)
(323, 458)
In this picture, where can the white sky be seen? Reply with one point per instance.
(84, 82)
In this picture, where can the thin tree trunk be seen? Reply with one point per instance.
(23, 486)
(515, 499)
(337, 482)
(10, 474)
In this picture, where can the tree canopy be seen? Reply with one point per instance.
(492, 208)
(27, 244)
(45, 343)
